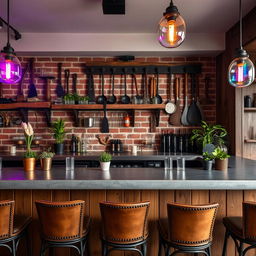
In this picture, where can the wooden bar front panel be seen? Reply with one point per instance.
(230, 205)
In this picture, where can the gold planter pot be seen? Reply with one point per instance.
(29, 164)
(46, 164)
(221, 165)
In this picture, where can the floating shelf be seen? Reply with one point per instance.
(249, 109)
(249, 141)
(109, 107)
(25, 105)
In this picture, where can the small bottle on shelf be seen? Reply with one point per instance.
(127, 121)
(73, 144)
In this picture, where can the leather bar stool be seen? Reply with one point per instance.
(12, 227)
(63, 224)
(188, 229)
(242, 229)
(124, 227)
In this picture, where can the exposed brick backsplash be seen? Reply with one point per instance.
(129, 136)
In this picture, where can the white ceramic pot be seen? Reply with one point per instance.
(105, 166)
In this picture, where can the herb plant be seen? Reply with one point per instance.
(218, 153)
(58, 130)
(105, 157)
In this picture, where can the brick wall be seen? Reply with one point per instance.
(129, 136)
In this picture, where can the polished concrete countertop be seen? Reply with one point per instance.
(241, 175)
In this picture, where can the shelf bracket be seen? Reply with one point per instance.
(156, 114)
(48, 115)
(24, 114)
(76, 117)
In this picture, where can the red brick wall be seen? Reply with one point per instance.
(129, 136)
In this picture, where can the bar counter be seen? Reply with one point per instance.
(241, 174)
(193, 186)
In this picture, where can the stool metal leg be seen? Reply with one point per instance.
(240, 250)
(159, 247)
(225, 243)
(13, 247)
(144, 249)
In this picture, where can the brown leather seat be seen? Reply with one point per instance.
(12, 227)
(188, 227)
(242, 228)
(124, 225)
(63, 223)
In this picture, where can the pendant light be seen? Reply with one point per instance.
(241, 71)
(10, 67)
(172, 28)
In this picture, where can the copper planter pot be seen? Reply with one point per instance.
(221, 165)
(46, 164)
(29, 164)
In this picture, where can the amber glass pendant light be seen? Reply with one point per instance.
(10, 67)
(241, 71)
(172, 28)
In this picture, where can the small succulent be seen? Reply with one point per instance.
(105, 157)
(218, 153)
(208, 156)
(46, 154)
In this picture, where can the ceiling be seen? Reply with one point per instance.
(142, 16)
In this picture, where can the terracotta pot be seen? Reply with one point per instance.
(29, 164)
(221, 165)
(46, 164)
(105, 166)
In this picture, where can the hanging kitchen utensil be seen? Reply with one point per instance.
(67, 74)
(194, 116)
(104, 122)
(137, 99)
(74, 83)
(47, 86)
(102, 98)
(125, 99)
(90, 87)
(32, 93)
(198, 100)
(112, 99)
(59, 89)
(146, 98)
(20, 97)
(176, 116)
(170, 107)
(157, 96)
(184, 119)
(152, 89)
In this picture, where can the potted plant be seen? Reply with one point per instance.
(209, 136)
(59, 133)
(105, 159)
(46, 160)
(208, 160)
(29, 161)
(221, 159)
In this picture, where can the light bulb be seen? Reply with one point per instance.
(241, 72)
(172, 28)
(10, 68)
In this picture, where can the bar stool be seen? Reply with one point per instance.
(124, 227)
(12, 228)
(63, 225)
(188, 229)
(242, 229)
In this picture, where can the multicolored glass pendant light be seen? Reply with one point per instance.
(10, 67)
(241, 71)
(172, 28)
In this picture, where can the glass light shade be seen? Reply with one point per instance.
(172, 30)
(10, 68)
(241, 72)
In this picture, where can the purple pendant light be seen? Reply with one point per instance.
(241, 71)
(10, 67)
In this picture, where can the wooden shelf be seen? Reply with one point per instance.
(25, 105)
(249, 141)
(109, 107)
(249, 109)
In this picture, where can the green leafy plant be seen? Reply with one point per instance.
(46, 154)
(209, 134)
(218, 153)
(105, 157)
(58, 130)
(30, 154)
(208, 156)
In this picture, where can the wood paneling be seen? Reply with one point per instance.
(230, 205)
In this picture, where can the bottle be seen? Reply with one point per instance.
(78, 144)
(127, 121)
(73, 144)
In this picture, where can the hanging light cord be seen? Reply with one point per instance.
(241, 24)
(8, 22)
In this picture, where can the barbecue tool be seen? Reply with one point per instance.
(32, 93)
(74, 82)
(104, 122)
(184, 119)
(102, 98)
(112, 99)
(158, 98)
(125, 98)
(59, 89)
(137, 99)
(67, 74)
